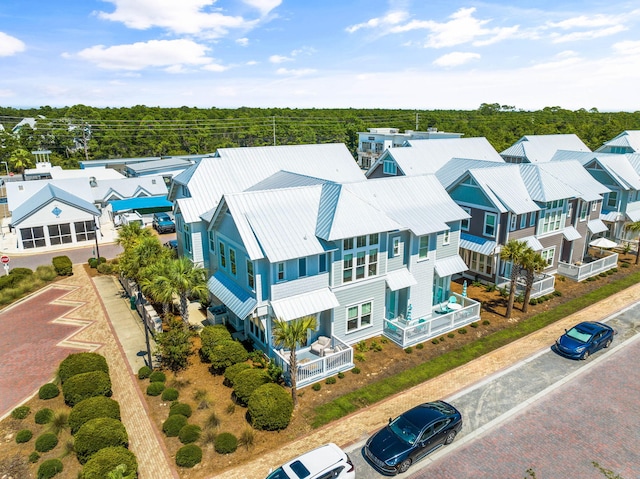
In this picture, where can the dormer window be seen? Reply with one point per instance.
(389, 167)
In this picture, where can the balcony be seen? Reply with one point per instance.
(406, 333)
(312, 368)
(589, 267)
(543, 284)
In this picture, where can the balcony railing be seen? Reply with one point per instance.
(407, 333)
(312, 368)
(542, 285)
(580, 272)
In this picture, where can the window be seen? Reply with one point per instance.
(396, 246)
(280, 271)
(358, 317)
(594, 206)
(187, 241)
(612, 199)
(584, 210)
(360, 264)
(84, 230)
(250, 277)
(60, 234)
(212, 242)
(365, 254)
(479, 263)
(548, 255)
(373, 239)
(347, 268)
(347, 244)
(523, 221)
(389, 167)
(514, 222)
(232, 260)
(464, 224)
(223, 255)
(322, 263)
(446, 237)
(532, 218)
(489, 224)
(423, 247)
(32, 237)
(552, 216)
(302, 267)
(373, 262)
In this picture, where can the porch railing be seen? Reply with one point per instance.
(310, 369)
(543, 285)
(580, 272)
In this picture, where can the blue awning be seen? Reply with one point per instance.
(231, 294)
(140, 203)
(477, 244)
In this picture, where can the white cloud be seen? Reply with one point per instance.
(455, 59)
(588, 35)
(279, 59)
(215, 67)
(264, 6)
(629, 47)
(243, 42)
(169, 54)
(295, 72)
(385, 22)
(10, 45)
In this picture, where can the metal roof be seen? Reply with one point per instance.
(533, 243)
(399, 279)
(505, 188)
(560, 180)
(305, 304)
(129, 187)
(163, 164)
(571, 234)
(46, 195)
(541, 148)
(456, 167)
(480, 245)
(285, 179)
(633, 211)
(450, 265)
(241, 302)
(140, 203)
(596, 226)
(630, 138)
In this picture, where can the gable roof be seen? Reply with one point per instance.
(628, 139)
(19, 192)
(454, 169)
(541, 148)
(44, 196)
(623, 169)
(560, 180)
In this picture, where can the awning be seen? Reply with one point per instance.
(571, 234)
(533, 243)
(477, 244)
(611, 216)
(596, 226)
(140, 203)
(633, 211)
(232, 296)
(400, 278)
(451, 265)
(305, 304)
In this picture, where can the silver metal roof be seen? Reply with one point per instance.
(505, 188)
(560, 180)
(541, 148)
(46, 195)
(630, 138)
(456, 167)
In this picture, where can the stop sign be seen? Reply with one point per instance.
(4, 259)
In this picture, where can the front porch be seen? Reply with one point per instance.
(590, 266)
(406, 333)
(313, 368)
(543, 284)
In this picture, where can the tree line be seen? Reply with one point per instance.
(82, 132)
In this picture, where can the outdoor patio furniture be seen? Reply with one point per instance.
(318, 347)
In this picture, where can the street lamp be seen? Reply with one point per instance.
(95, 234)
(140, 301)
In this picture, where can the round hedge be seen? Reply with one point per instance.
(48, 391)
(49, 468)
(144, 372)
(24, 435)
(211, 335)
(155, 389)
(270, 408)
(189, 433)
(20, 412)
(44, 416)
(170, 394)
(247, 381)
(106, 460)
(97, 434)
(92, 408)
(157, 377)
(85, 385)
(225, 353)
(171, 427)
(188, 456)
(46, 442)
(180, 408)
(79, 363)
(225, 443)
(232, 372)
(34, 457)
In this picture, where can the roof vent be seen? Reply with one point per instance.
(93, 182)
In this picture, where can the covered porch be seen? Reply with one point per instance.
(589, 266)
(443, 318)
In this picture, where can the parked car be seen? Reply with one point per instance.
(129, 218)
(412, 435)
(325, 462)
(584, 339)
(172, 244)
(163, 223)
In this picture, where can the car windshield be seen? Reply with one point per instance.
(278, 474)
(404, 429)
(579, 335)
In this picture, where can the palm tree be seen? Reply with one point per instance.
(513, 252)
(184, 279)
(153, 283)
(635, 228)
(289, 335)
(533, 263)
(20, 160)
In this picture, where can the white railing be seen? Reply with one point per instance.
(313, 370)
(545, 284)
(407, 333)
(580, 272)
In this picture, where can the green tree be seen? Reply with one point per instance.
(175, 346)
(20, 160)
(635, 228)
(514, 252)
(153, 283)
(184, 279)
(532, 263)
(290, 335)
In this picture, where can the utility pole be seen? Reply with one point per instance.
(274, 131)
(417, 121)
(84, 141)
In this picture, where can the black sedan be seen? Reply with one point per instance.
(584, 339)
(412, 435)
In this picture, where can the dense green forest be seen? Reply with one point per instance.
(142, 131)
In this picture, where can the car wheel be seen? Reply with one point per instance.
(585, 355)
(404, 465)
(607, 344)
(450, 437)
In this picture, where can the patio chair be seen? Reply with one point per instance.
(318, 346)
(452, 300)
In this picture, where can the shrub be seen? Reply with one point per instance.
(157, 377)
(34, 457)
(20, 412)
(107, 459)
(557, 293)
(180, 408)
(46, 272)
(155, 389)
(86, 385)
(24, 435)
(170, 394)
(189, 433)
(270, 408)
(93, 263)
(247, 436)
(213, 420)
(93, 408)
(62, 265)
(419, 346)
(59, 422)
(247, 382)
(210, 336)
(49, 468)
(435, 341)
(356, 370)
(79, 363)
(462, 331)
(225, 354)
(533, 301)
(486, 322)
(44, 415)
(316, 387)
(232, 371)
(97, 434)
(188, 456)
(340, 375)
(451, 335)
(474, 324)
(144, 372)
(331, 380)
(225, 443)
(408, 350)
(171, 427)
(360, 357)
(361, 346)
(46, 442)
(105, 268)
(48, 391)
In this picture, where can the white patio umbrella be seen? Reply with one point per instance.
(603, 243)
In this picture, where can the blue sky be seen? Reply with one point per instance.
(320, 53)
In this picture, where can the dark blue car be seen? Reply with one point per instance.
(584, 339)
(412, 435)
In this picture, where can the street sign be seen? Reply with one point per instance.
(4, 259)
